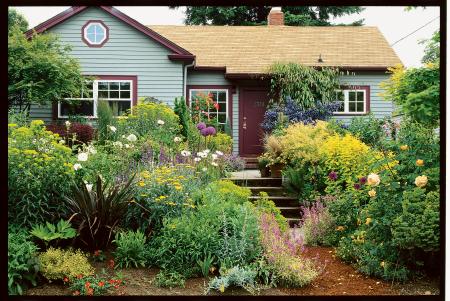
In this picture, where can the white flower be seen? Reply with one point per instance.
(127, 146)
(214, 156)
(89, 187)
(185, 153)
(204, 169)
(206, 151)
(219, 153)
(373, 179)
(67, 124)
(118, 144)
(112, 128)
(91, 149)
(123, 136)
(202, 154)
(196, 159)
(161, 122)
(132, 137)
(177, 139)
(82, 156)
(421, 181)
(214, 164)
(77, 166)
(62, 142)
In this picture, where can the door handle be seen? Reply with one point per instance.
(244, 123)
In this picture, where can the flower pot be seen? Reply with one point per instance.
(275, 170)
(265, 172)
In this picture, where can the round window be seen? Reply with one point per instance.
(95, 33)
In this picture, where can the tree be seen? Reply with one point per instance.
(432, 52)
(257, 15)
(16, 19)
(40, 70)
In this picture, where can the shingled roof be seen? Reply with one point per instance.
(252, 49)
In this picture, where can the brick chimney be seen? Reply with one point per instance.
(276, 16)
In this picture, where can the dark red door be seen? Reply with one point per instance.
(253, 106)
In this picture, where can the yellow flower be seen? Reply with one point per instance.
(340, 228)
(30, 152)
(382, 264)
(162, 197)
(12, 125)
(421, 181)
(368, 220)
(178, 187)
(222, 288)
(373, 179)
(37, 123)
(141, 183)
(144, 195)
(171, 203)
(419, 162)
(372, 193)
(404, 147)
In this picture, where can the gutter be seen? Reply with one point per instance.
(185, 78)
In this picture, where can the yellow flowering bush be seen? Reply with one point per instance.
(56, 264)
(40, 170)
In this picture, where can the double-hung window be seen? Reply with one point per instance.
(219, 96)
(352, 101)
(117, 93)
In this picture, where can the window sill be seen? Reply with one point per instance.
(351, 114)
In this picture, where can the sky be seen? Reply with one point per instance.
(393, 21)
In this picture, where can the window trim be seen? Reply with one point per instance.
(104, 78)
(228, 89)
(355, 88)
(84, 33)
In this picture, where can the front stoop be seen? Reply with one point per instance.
(288, 205)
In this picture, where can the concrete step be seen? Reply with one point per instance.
(290, 212)
(250, 165)
(293, 221)
(251, 159)
(283, 201)
(272, 191)
(257, 182)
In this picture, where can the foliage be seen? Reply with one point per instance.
(56, 264)
(281, 115)
(92, 285)
(77, 132)
(368, 129)
(305, 85)
(265, 206)
(416, 91)
(257, 15)
(280, 250)
(182, 110)
(104, 122)
(432, 46)
(40, 70)
(97, 212)
(221, 142)
(304, 180)
(169, 279)
(16, 19)
(226, 191)
(50, 232)
(22, 262)
(237, 276)
(206, 265)
(39, 174)
(233, 162)
(130, 247)
(317, 224)
(20, 119)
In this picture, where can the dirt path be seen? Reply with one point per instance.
(338, 278)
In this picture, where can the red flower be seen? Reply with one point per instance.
(80, 276)
(116, 286)
(111, 281)
(97, 253)
(111, 263)
(76, 293)
(197, 107)
(87, 284)
(66, 279)
(90, 291)
(216, 105)
(119, 281)
(101, 283)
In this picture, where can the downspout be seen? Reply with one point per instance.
(185, 79)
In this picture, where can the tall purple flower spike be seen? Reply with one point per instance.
(204, 132)
(211, 130)
(201, 126)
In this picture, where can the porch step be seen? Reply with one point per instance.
(271, 190)
(251, 162)
(293, 221)
(280, 201)
(290, 212)
(256, 182)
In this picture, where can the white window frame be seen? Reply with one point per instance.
(95, 97)
(105, 32)
(217, 111)
(346, 102)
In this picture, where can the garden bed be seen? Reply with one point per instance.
(338, 278)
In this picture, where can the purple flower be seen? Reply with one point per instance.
(357, 186)
(211, 130)
(201, 126)
(204, 132)
(363, 180)
(208, 131)
(332, 176)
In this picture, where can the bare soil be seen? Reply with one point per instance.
(337, 278)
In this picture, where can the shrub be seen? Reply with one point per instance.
(233, 163)
(94, 285)
(97, 211)
(368, 129)
(39, 174)
(130, 247)
(56, 264)
(280, 250)
(264, 205)
(50, 232)
(237, 276)
(226, 191)
(23, 265)
(221, 142)
(76, 132)
(169, 279)
(317, 224)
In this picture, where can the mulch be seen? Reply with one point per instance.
(337, 278)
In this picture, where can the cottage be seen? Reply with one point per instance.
(130, 60)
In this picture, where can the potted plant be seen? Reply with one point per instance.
(274, 151)
(276, 166)
(263, 163)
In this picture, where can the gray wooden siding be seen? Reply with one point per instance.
(207, 78)
(42, 112)
(378, 106)
(127, 52)
(236, 121)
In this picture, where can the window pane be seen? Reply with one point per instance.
(360, 96)
(119, 107)
(113, 94)
(222, 107)
(212, 116)
(103, 94)
(351, 96)
(83, 108)
(222, 96)
(124, 86)
(360, 106)
(222, 118)
(99, 37)
(113, 85)
(125, 94)
(103, 85)
(91, 37)
(90, 29)
(351, 107)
